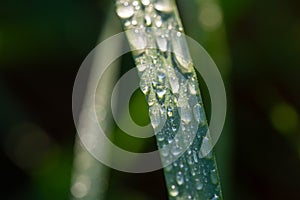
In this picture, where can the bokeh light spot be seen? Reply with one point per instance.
(284, 118)
(210, 16)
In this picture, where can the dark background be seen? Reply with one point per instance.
(42, 44)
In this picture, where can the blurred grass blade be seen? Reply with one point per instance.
(90, 177)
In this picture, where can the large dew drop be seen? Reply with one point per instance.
(155, 115)
(173, 80)
(186, 114)
(125, 10)
(137, 38)
(181, 52)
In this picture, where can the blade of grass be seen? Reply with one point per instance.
(172, 92)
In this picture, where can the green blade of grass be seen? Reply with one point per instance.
(175, 105)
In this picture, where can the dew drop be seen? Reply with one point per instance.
(135, 3)
(173, 191)
(174, 83)
(195, 156)
(215, 197)
(125, 10)
(141, 67)
(213, 176)
(198, 184)
(162, 43)
(148, 20)
(192, 88)
(144, 83)
(164, 152)
(181, 52)
(127, 23)
(161, 93)
(151, 98)
(205, 148)
(168, 168)
(170, 111)
(145, 2)
(175, 150)
(155, 115)
(137, 38)
(174, 128)
(185, 114)
(158, 21)
(199, 114)
(179, 178)
(163, 5)
(160, 137)
(190, 160)
(161, 76)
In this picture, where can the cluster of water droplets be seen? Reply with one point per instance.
(168, 80)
